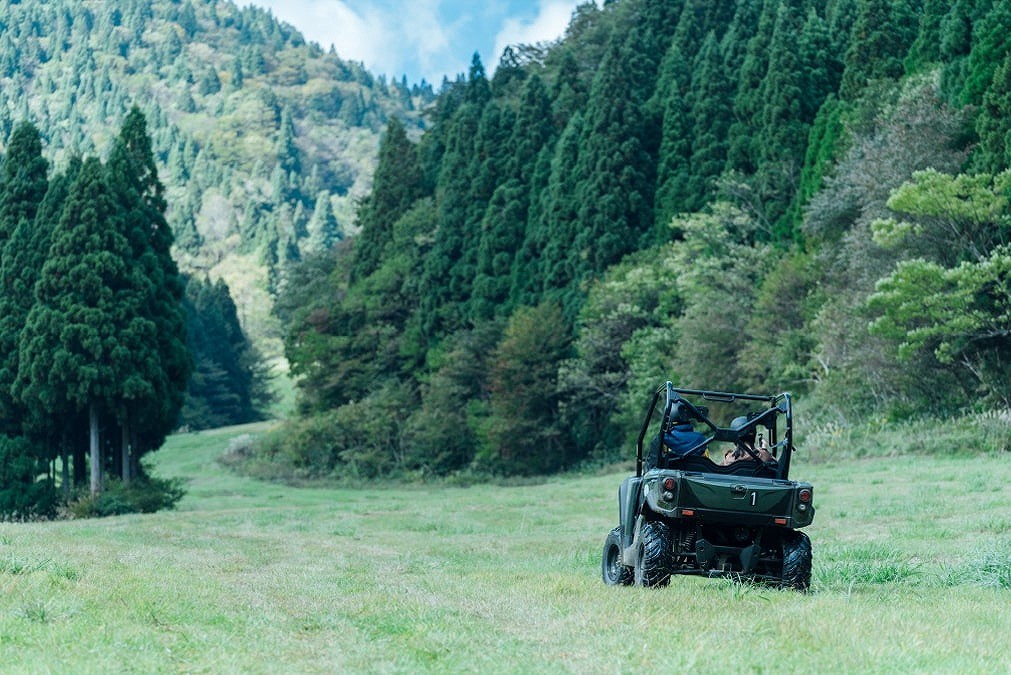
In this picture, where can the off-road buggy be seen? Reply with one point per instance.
(684, 513)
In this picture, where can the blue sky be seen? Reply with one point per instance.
(423, 38)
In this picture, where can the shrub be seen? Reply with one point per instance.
(143, 495)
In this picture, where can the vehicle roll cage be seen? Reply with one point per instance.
(778, 404)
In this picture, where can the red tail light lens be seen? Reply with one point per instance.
(668, 484)
(805, 496)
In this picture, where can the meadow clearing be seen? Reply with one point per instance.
(912, 573)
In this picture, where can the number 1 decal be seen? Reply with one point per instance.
(754, 497)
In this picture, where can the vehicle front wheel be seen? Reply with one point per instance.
(797, 561)
(654, 562)
(614, 572)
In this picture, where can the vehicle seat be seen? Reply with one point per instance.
(743, 467)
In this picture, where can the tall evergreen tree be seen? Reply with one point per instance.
(882, 33)
(149, 412)
(926, 48)
(505, 221)
(85, 339)
(448, 272)
(22, 190)
(742, 147)
(615, 173)
(554, 228)
(782, 127)
(674, 160)
(994, 123)
(711, 97)
(227, 382)
(397, 183)
(991, 42)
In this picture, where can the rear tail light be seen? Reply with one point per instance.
(805, 496)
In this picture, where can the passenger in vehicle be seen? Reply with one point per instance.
(740, 450)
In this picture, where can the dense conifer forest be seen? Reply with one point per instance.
(490, 279)
(802, 195)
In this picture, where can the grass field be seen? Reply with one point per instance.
(912, 573)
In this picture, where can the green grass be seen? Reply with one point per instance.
(912, 573)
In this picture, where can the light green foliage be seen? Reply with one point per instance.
(953, 300)
(626, 336)
(720, 270)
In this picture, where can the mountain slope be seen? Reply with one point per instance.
(261, 138)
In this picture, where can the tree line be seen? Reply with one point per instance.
(97, 350)
(794, 194)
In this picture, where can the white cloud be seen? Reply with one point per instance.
(549, 24)
(355, 36)
(421, 38)
(386, 39)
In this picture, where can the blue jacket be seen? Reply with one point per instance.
(682, 438)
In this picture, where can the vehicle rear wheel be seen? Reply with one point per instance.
(614, 572)
(655, 560)
(797, 561)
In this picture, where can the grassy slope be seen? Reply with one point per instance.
(912, 573)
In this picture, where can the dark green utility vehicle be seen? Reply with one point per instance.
(716, 500)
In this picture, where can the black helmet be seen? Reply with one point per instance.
(739, 423)
(680, 413)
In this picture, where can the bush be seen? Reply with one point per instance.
(25, 494)
(143, 495)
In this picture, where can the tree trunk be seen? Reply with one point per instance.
(125, 442)
(66, 470)
(96, 451)
(80, 464)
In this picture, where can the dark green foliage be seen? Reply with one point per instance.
(154, 394)
(442, 435)
(24, 179)
(710, 99)
(146, 494)
(926, 49)
(743, 141)
(505, 222)
(615, 173)
(625, 336)
(23, 243)
(520, 434)
(22, 495)
(554, 221)
(880, 39)
(228, 385)
(84, 332)
(990, 44)
(100, 337)
(397, 183)
(994, 123)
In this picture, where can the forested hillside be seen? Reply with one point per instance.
(264, 141)
(808, 195)
(163, 163)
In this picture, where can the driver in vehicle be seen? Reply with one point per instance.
(681, 440)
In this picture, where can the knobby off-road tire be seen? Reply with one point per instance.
(611, 568)
(796, 561)
(655, 559)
